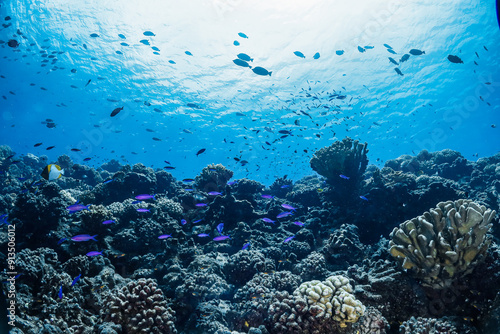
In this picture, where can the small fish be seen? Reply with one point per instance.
(214, 193)
(203, 235)
(404, 58)
(299, 54)
(316, 55)
(169, 167)
(142, 210)
(360, 49)
(392, 60)
(106, 222)
(197, 221)
(285, 186)
(88, 82)
(369, 47)
(52, 172)
(164, 236)
(201, 204)
(268, 220)
(62, 240)
(37, 144)
(116, 111)
(242, 35)
(284, 214)
(75, 150)
(145, 196)
(148, 33)
(183, 221)
(144, 41)
(261, 71)
(87, 159)
(200, 151)
(236, 43)
(392, 51)
(244, 56)
(60, 293)
(241, 63)
(288, 239)
(77, 207)
(188, 180)
(398, 71)
(77, 278)
(94, 253)
(122, 36)
(339, 52)
(108, 181)
(245, 246)
(188, 53)
(455, 59)
(288, 207)
(156, 139)
(299, 223)
(344, 177)
(388, 46)
(221, 237)
(83, 237)
(230, 183)
(416, 52)
(220, 227)
(363, 198)
(94, 35)
(267, 196)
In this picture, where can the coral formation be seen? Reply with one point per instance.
(445, 243)
(141, 308)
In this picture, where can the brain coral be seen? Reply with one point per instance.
(445, 243)
(141, 308)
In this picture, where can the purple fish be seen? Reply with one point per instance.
(289, 238)
(267, 220)
(188, 189)
(93, 253)
(145, 196)
(84, 237)
(363, 198)
(201, 204)
(143, 210)
(245, 246)
(203, 235)
(230, 183)
(284, 214)
(288, 207)
(267, 196)
(221, 237)
(220, 227)
(77, 207)
(285, 186)
(106, 222)
(344, 177)
(214, 193)
(164, 236)
(108, 181)
(299, 223)
(183, 221)
(62, 240)
(77, 278)
(197, 221)
(60, 294)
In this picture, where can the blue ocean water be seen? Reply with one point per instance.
(202, 99)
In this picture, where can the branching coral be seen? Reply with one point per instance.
(445, 243)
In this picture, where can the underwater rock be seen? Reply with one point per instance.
(372, 322)
(213, 178)
(312, 267)
(430, 325)
(243, 265)
(443, 244)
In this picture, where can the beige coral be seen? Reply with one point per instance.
(445, 243)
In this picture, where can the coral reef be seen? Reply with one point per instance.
(139, 307)
(445, 243)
